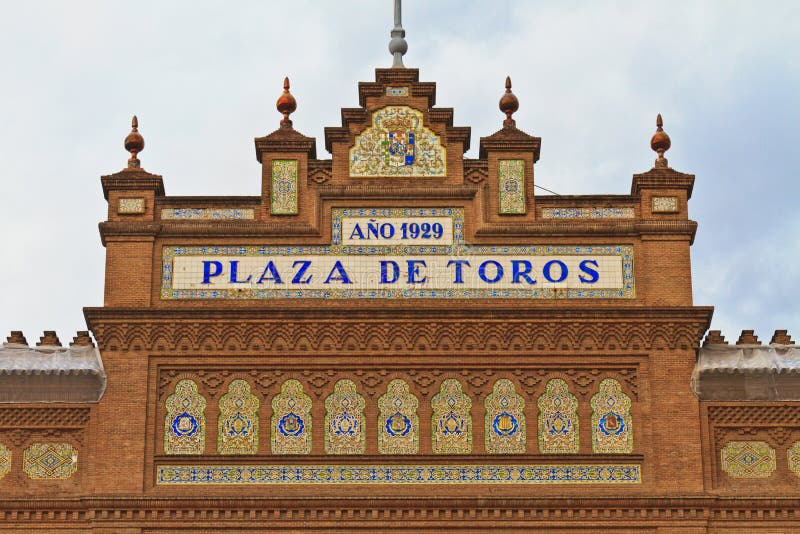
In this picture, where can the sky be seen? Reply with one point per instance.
(203, 78)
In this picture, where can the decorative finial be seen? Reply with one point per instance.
(660, 143)
(286, 104)
(398, 45)
(509, 104)
(134, 144)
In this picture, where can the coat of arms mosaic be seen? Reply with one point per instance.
(397, 144)
(344, 420)
(612, 430)
(291, 420)
(558, 419)
(398, 422)
(505, 431)
(451, 428)
(238, 420)
(185, 423)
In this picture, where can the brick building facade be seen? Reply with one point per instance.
(402, 338)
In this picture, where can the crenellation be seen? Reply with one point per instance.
(781, 337)
(49, 339)
(17, 338)
(714, 337)
(82, 339)
(747, 337)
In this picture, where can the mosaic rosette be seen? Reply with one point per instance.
(185, 475)
(5, 460)
(185, 423)
(451, 424)
(50, 461)
(284, 187)
(511, 179)
(397, 144)
(238, 420)
(344, 420)
(558, 419)
(291, 420)
(612, 430)
(504, 426)
(748, 459)
(398, 422)
(793, 456)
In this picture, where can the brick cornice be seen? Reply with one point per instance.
(662, 179)
(133, 180)
(346, 326)
(484, 512)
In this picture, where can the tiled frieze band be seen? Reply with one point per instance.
(266, 474)
(207, 214)
(588, 213)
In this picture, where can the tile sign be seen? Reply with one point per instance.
(397, 253)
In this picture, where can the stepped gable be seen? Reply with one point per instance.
(402, 88)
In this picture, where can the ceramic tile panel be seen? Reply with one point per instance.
(284, 187)
(511, 183)
(397, 145)
(50, 461)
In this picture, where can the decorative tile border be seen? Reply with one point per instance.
(588, 213)
(130, 206)
(207, 214)
(665, 204)
(257, 474)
